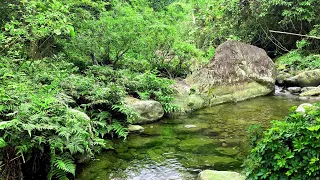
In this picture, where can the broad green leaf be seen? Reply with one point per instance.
(71, 29)
(2, 143)
(4, 124)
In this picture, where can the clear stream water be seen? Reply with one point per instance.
(179, 148)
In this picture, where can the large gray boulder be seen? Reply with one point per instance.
(148, 110)
(305, 79)
(238, 71)
(220, 175)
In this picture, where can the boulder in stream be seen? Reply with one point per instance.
(148, 110)
(237, 72)
(220, 175)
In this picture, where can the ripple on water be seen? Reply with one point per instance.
(178, 149)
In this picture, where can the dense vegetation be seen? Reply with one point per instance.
(60, 58)
(289, 149)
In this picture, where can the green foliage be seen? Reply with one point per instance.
(2, 143)
(296, 60)
(147, 85)
(288, 150)
(150, 86)
(62, 166)
(251, 20)
(36, 113)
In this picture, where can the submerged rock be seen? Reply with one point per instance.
(220, 175)
(304, 79)
(237, 72)
(228, 151)
(190, 126)
(135, 128)
(148, 111)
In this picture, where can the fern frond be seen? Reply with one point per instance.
(119, 129)
(63, 163)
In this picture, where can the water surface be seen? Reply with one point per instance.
(179, 148)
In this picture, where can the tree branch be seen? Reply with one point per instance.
(294, 34)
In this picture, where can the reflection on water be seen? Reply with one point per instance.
(179, 148)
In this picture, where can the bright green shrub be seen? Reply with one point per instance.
(289, 149)
(296, 60)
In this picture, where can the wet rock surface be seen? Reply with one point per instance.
(135, 128)
(294, 90)
(304, 85)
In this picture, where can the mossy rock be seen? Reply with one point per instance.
(156, 155)
(305, 79)
(153, 129)
(228, 151)
(220, 175)
(141, 142)
(210, 161)
(312, 92)
(189, 103)
(194, 143)
(281, 77)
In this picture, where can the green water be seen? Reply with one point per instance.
(179, 148)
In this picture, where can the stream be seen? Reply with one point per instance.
(179, 148)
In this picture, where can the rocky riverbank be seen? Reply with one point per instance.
(304, 85)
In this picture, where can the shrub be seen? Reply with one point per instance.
(296, 60)
(290, 149)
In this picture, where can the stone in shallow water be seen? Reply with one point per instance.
(220, 175)
(237, 72)
(209, 161)
(148, 111)
(194, 143)
(140, 142)
(190, 126)
(135, 128)
(228, 151)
